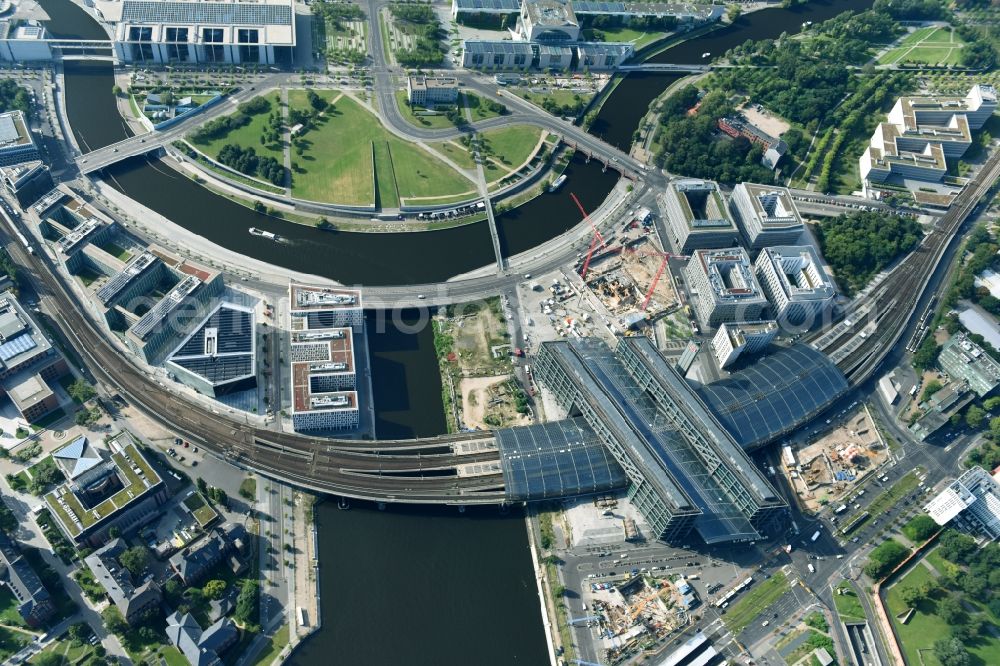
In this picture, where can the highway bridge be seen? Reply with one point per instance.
(451, 469)
(873, 326)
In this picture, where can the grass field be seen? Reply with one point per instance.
(938, 562)
(479, 110)
(8, 609)
(622, 34)
(337, 163)
(926, 45)
(422, 117)
(274, 645)
(512, 145)
(917, 636)
(753, 603)
(848, 605)
(456, 152)
(247, 136)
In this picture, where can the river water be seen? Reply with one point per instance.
(406, 585)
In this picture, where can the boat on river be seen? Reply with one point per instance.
(254, 231)
(557, 183)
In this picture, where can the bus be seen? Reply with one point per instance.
(814, 536)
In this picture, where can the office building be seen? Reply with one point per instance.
(314, 307)
(799, 289)
(766, 215)
(134, 602)
(548, 21)
(163, 326)
(751, 337)
(431, 91)
(697, 217)
(969, 364)
(194, 564)
(724, 286)
(34, 604)
(684, 471)
(685, 13)
(203, 31)
(971, 502)
(218, 357)
(323, 376)
(17, 144)
(27, 182)
(108, 484)
(27, 362)
(921, 133)
(24, 41)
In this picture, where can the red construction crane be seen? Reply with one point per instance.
(665, 256)
(593, 242)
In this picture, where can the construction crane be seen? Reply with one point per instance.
(641, 606)
(665, 256)
(593, 242)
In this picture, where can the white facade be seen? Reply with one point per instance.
(726, 288)
(548, 21)
(972, 500)
(766, 215)
(921, 133)
(25, 43)
(203, 31)
(431, 90)
(734, 339)
(795, 283)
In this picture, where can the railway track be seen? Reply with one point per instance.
(412, 471)
(895, 301)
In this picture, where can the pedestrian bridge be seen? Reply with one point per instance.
(664, 67)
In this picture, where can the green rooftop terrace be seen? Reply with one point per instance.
(127, 461)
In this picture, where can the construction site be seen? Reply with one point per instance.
(628, 273)
(829, 468)
(637, 612)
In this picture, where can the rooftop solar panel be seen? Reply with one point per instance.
(775, 395)
(18, 345)
(214, 13)
(8, 130)
(488, 5)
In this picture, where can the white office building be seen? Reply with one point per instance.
(921, 133)
(734, 339)
(430, 91)
(203, 31)
(697, 216)
(548, 21)
(766, 214)
(795, 283)
(972, 502)
(724, 286)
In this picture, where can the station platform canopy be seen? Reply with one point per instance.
(556, 459)
(775, 395)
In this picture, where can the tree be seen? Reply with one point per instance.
(81, 391)
(79, 632)
(214, 588)
(113, 620)
(87, 417)
(135, 559)
(920, 528)
(951, 652)
(950, 610)
(48, 659)
(911, 596)
(975, 416)
(202, 486)
(246, 602)
(930, 388)
(733, 12)
(884, 559)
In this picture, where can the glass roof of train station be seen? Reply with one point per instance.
(556, 459)
(775, 395)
